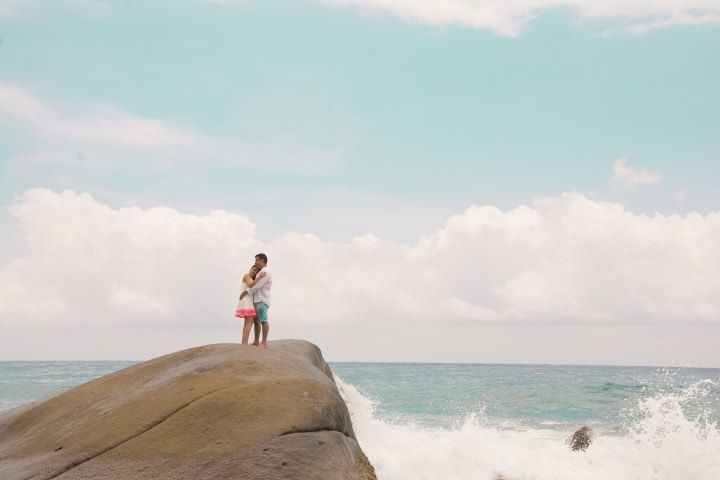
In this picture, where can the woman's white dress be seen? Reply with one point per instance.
(245, 307)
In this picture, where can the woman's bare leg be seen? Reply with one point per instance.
(246, 329)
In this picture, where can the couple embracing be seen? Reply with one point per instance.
(255, 301)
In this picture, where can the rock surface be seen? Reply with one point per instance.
(221, 411)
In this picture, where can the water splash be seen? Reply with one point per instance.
(671, 435)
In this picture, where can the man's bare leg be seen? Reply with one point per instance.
(257, 333)
(246, 329)
(265, 331)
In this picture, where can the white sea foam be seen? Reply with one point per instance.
(664, 443)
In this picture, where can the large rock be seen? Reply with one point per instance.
(215, 412)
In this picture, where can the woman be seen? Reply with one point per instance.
(246, 309)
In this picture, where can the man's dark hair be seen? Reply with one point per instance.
(262, 257)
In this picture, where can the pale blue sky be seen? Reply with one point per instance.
(335, 119)
(362, 111)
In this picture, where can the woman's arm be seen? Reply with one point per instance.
(259, 277)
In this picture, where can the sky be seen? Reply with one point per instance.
(442, 181)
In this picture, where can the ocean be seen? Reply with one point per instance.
(492, 422)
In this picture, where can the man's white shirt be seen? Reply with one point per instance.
(260, 292)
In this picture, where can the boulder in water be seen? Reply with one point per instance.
(581, 439)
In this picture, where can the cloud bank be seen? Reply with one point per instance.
(566, 259)
(510, 17)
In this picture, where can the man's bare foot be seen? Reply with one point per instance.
(256, 344)
(264, 345)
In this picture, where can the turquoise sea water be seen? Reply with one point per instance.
(24, 382)
(443, 394)
(469, 421)
(512, 422)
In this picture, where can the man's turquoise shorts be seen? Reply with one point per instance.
(262, 312)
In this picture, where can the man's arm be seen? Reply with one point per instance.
(252, 282)
(258, 284)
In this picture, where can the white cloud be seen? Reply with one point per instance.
(631, 176)
(90, 264)
(507, 18)
(510, 17)
(103, 124)
(680, 20)
(135, 302)
(108, 132)
(566, 259)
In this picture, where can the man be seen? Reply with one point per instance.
(261, 296)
